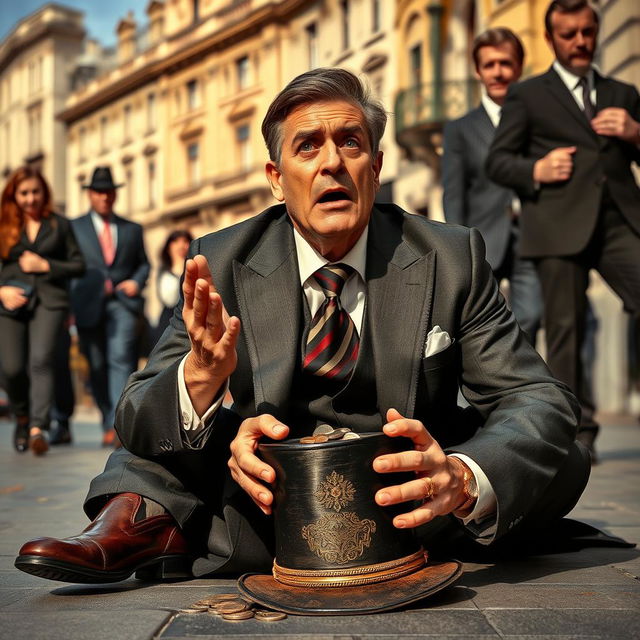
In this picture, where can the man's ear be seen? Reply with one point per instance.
(377, 167)
(274, 177)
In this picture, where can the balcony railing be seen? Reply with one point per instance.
(435, 103)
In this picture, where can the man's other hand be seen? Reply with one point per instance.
(556, 166)
(213, 335)
(246, 468)
(614, 121)
(439, 483)
(129, 288)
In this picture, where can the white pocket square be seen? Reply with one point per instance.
(437, 341)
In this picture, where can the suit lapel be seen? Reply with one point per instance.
(559, 90)
(483, 126)
(397, 302)
(122, 236)
(269, 298)
(89, 232)
(604, 92)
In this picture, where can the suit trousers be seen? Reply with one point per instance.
(27, 348)
(525, 294)
(111, 349)
(614, 251)
(231, 534)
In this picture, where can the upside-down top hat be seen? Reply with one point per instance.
(337, 551)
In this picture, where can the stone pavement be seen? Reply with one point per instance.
(592, 593)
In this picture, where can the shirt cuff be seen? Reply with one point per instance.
(482, 520)
(188, 417)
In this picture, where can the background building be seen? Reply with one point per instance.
(37, 61)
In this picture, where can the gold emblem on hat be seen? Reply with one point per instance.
(342, 536)
(335, 492)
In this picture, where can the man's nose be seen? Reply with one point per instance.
(331, 158)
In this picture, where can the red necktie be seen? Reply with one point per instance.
(106, 243)
(332, 342)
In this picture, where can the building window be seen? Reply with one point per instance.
(375, 15)
(312, 45)
(104, 133)
(242, 72)
(129, 182)
(151, 112)
(127, 122)
(193, 101)
(415, 65)
(244, 146)
(193, 163)
(151, 184)
(344, 5)
(82, 143)
(35, 130)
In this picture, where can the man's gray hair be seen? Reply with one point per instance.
(319, 85)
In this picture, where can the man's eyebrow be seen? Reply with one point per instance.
(305, 134)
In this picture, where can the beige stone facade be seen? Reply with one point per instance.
(37, 60)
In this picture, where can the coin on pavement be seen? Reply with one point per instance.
(269, 616)
(238, 615)
(193, 610)
(323, 430)
(231, 606)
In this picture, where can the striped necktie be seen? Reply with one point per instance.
(332, 342)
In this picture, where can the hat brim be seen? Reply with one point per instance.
(102, 186)
(335, 601)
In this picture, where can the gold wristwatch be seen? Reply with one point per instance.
(469, 488)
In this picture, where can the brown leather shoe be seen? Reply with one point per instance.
(111, 548)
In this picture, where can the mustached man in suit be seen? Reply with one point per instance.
(473, 200)
(107, 301)
(566, 143)
(325, 309)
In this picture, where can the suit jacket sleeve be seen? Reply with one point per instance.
(530, 418)
(507, 163)
(73, 265)
(148, 418)
(453, 176)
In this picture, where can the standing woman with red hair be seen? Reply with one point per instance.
(39, 255)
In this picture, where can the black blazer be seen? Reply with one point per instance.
(130, 263)
(469, 197)
(57, 243)
(539, 115)
(419, 274)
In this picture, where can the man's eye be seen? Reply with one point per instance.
(352, 143)
(306, 146)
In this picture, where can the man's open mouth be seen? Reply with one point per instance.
(334, 196)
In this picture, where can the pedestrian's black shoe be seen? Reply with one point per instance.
(62, 434)
(21, 435)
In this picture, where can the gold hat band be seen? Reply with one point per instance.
(355, 576)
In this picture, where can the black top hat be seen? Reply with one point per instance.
(337, 551)
(101, 180)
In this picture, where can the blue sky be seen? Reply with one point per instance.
(100, 17)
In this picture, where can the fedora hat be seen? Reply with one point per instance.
(337, 551)
(101, 180)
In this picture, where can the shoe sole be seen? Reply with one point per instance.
(162, 568)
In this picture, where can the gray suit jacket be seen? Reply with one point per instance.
(419, 274)
(130, 263)
(469, 197)
(539, 115)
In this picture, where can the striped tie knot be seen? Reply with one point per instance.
(332, 278)
(332, 341)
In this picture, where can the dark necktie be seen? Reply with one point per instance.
(332, 342)
(589, 109)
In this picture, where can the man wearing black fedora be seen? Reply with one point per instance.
(326, 308)
(107, 301)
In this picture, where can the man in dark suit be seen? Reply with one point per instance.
(325, 309)
(473, 200)
(107, 301)
(566, 142)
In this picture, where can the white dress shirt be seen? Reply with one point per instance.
(352, 300)
(572, 82)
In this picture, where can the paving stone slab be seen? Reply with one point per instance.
(406, 623)
(132, 625)
(621, 623)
